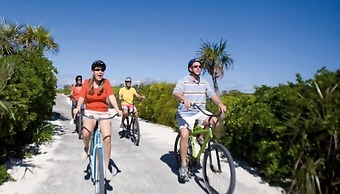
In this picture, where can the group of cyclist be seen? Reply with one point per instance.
(96, 92)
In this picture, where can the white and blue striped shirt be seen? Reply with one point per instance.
(196, 92)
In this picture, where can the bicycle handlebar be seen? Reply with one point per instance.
(129, 102)
(126, 101)
(210, 115)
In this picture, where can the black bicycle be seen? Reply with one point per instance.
(131, 125)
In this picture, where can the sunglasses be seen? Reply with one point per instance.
(98, 69)
(79, 79)
(197, 66)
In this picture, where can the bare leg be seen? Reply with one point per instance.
(105, 126)
(88, 127)
(184, 145)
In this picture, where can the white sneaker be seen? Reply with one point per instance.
(83, 155)
(72, 121)
(108, 174)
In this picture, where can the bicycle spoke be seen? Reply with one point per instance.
(219, 170)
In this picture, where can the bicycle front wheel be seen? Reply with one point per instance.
(99, 175)
(135, 130)
(219, 170)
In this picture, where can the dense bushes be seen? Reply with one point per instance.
(33, 85)
(291, 132)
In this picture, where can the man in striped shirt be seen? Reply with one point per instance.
(188, 90)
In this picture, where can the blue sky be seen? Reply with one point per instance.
(153, 40)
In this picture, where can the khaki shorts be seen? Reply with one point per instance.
(97, 114)
(189, 121)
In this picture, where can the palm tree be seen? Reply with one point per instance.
(15, 38)
(215, 60)
(37, 38)
(6, 71)
(9, 37)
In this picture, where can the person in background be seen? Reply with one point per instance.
(74, 95)
(126, 95)
(95, 91)
(188, 90)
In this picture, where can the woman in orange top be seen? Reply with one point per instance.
(75, 93)
(95, 91)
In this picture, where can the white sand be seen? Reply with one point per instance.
(29, 172)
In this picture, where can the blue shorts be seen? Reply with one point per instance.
(74, 104)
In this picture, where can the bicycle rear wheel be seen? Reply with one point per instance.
(135, 130)
(99, 175)
(219, 170)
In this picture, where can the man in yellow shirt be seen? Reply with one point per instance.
(126, 95)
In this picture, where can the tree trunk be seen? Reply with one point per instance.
(215, 86)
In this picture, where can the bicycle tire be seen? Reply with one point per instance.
(80, 126)
(135, 130)
(176, 150)
(223, 178)
(99, 175)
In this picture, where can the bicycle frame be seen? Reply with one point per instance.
(208, 135)
(131, 113)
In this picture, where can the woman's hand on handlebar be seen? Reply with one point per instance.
(119, 113)
(75, 111)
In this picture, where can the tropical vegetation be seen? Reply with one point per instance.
(27, 88)
(215, 60)
(288, 133)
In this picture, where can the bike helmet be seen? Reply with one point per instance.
(98, 63)
(128, 79)
(193, 61)
(78, 77)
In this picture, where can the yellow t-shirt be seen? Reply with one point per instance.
(127, 95)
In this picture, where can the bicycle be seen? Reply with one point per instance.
(97, 157)
(218, 164)
(79, 122)
(131, 125)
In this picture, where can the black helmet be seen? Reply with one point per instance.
(78, 77)
(128, 79)
(98, 63)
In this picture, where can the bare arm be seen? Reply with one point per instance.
(139, 96)
(219, 103)
(180, 97)
(114, 103)
(80, 102)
